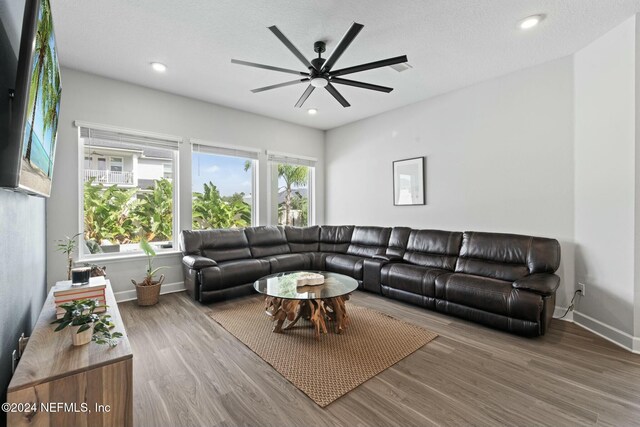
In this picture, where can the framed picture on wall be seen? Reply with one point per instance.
(408, 182)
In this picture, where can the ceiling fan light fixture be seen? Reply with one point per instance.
(319, 82)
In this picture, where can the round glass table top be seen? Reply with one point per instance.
(284, 285)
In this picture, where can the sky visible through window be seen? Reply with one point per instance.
(226, 173)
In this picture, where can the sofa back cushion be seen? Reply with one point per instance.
(335, 238)
(507, 256)
(369, 241)
(303, 239)
(267, 240)
(398, 241)
(433, 248)
(219, 245)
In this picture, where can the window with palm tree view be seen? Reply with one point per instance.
(292, 182)
(127, 195)
(222, 191)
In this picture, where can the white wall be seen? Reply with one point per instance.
(605, 176)
(91, 98)
(499, 158)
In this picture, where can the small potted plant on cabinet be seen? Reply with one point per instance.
(148, 291)
(85, 325)
(67, 246)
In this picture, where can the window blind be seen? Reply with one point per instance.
(118, 139)
(225, 151)
(292, 160)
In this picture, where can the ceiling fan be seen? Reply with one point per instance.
(321, 73)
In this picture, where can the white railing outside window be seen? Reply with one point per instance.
(108, 177)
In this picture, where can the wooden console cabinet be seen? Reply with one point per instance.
(57, 384)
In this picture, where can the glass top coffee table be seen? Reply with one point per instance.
(287, 301)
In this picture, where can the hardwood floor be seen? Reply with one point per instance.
(189, 371)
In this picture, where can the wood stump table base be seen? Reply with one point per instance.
(317, 311)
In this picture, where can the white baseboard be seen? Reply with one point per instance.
(167, 288)
(559, 311)
(614, 335)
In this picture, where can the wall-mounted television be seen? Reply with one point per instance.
(27, 150)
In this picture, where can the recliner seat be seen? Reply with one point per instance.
(505, 281)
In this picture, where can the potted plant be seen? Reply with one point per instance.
(67, 246)
(148, 291)
(85, 325)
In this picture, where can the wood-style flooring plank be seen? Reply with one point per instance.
(188, 370)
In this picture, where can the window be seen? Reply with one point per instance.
(291, 195)
(116, 164)
(167, 171)
(127, 198)
(223, 184)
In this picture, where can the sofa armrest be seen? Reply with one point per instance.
(387, 258)
(540, 283)
(197, 262)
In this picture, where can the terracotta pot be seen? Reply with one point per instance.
(148, 294)
(81, 338)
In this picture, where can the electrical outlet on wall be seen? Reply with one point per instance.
(582, 288)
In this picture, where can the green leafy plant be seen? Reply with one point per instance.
(153, 212)
(67, 246)
(151, 272)
(210, 210)
(107, 213)
(293, 176)
(81, 313)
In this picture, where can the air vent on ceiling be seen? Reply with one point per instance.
(401, 67)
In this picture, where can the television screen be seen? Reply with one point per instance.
(29, 151)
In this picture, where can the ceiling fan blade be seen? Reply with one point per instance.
(362, 85)
(333, 91)
(304, 96)
(293, 82)
(269, 67)
(290, 46)
(343, 44)
(370, 66)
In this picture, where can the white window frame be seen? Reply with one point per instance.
(112, 163)
(231, 149)
(294, 159)
(84, 255)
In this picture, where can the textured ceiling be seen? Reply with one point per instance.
(450, 44)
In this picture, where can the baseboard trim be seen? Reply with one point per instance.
(167, 288)
(608, 332)
(559, 312)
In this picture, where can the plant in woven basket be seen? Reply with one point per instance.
(85, 325)
(148, 290)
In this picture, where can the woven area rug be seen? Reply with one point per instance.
(327, 369)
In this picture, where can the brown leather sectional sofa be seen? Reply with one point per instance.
(505, 281)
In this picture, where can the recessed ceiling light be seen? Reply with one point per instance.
(159, 67)
(312, 111)
(530, 21)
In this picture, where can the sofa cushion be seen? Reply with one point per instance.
(433, 248)
(411, 278)
(289, 262)
(349, 265)
(303, 239)
(267, 240)
(335, 238)
(232, 273)
(398, 241)
(507, 256)
(369, 241)
(489, 294)
(218, 245)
